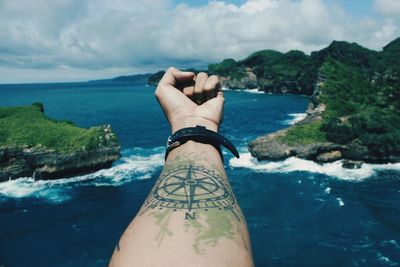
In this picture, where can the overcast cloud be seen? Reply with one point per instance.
(69, 40)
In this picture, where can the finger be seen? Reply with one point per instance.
(173, 76)
(168, 82)
(201, 79)
(188, 91)
(211, 87)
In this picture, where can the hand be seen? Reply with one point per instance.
(188, 100)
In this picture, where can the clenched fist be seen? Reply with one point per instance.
(189, 100)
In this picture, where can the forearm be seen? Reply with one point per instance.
(190, 218)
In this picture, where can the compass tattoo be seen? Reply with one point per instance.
(191, 188)
(202, 197)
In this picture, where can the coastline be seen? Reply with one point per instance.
(34, 145)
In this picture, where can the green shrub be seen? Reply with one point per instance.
(305, 134)
(28, 126)
(338, 132)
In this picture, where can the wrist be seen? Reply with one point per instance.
(193, 122)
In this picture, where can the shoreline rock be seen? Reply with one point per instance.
(270, 147)
(41, 163)
(59, 149)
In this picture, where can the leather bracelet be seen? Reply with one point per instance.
(202, 135)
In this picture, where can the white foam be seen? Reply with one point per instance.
(327, 190)
(385, 260)
(293, 164)
(24, 187)
(135, 164)
(294, 118)
(252, 91)
(140, 167)
(340, 201)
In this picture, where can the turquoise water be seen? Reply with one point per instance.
(299, 213)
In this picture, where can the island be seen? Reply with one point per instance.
(33, 145)
(354, 110)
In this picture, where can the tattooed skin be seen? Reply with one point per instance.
(203, 198)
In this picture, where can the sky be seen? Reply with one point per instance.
(75, 40)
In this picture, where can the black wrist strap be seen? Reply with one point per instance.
(202, 135)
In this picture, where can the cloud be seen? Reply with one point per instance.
(388, 7)
(98, 37)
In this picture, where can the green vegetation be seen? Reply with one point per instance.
(28, 126)
(305, 134)
(263, 57)
(359, 87)
(228, 67)
(361, 92)
(274, 70)
(363, 105)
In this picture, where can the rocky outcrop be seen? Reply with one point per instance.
(271, 147)
(352, 164)
(247, 81)
(338, 111)
(41, 163)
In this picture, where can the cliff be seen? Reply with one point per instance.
(267, 70)
(354, 113)
(33, 145)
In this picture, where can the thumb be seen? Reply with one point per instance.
(174, 75)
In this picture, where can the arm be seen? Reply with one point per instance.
(191, 216)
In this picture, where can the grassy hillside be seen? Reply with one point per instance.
(28, 126)
(361, 92)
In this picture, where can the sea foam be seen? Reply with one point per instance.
(252, 91)
(294, 118)
(293, 164)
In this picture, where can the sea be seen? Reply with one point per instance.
(299, 213)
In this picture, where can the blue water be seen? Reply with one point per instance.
(299, 213)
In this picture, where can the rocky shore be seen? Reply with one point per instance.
(41, 163)
(42, 148)
(274, 147)
(353, 113)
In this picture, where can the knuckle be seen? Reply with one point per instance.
(202, 74)
(214, 78)
(188, 91)
(171, 69)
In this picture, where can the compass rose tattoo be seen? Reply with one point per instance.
(191, 188)
(202, 197)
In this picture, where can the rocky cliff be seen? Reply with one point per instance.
(269, 71)
(33, 145)
(354, 112)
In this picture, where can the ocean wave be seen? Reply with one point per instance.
(293, 164)
(136, 163)
(294, 118)
(252, 91)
